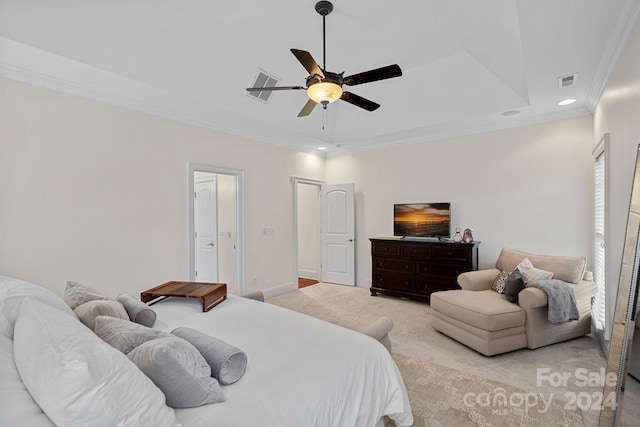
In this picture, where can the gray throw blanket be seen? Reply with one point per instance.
(562, 300)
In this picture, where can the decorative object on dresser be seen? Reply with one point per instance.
(415, 268)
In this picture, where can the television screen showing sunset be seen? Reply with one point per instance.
(421, 220)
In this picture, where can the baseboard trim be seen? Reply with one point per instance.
(274, 291)
(603, 344)
(308, 274)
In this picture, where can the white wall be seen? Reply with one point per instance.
(98, 194)
(528, 188)
(618, 113)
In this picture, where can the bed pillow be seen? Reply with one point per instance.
(123, 334)
(78, 379)
(76, 294)
(138, 311)
(513, 285)
(14, 291)
(530, 273)
(179, 370)
(227, 362)
(500, 282)
(88, 311)
(17, 407)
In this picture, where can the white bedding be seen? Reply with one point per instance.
(301, 371)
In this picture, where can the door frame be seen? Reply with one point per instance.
(239, 220)
(295, 181)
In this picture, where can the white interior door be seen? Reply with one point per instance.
(338, 234)
(206, 229)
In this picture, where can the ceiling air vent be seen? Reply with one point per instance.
(567, 81)
(263, 79)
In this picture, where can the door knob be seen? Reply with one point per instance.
(210, 244)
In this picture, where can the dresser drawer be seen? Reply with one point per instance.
(392, 264)
(400, 282)
(418, 252)
(452, 254)
(382, 249)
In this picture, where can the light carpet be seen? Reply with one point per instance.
(441, 396)
(422, 352)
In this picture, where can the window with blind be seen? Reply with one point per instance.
(598, 311)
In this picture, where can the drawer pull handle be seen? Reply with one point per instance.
(386, 249)
(425, 269)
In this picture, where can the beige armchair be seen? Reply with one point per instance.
(486, 321)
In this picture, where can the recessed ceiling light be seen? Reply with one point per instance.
(511, 113)
(567, 101)
(322, 148)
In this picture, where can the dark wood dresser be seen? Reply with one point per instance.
(415, 268)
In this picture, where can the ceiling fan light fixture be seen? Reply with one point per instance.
(324, 92)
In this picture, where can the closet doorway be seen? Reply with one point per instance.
(215, 226)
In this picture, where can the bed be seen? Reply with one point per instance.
(301, 371)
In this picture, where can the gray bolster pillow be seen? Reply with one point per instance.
(138, 311)
(227, 362)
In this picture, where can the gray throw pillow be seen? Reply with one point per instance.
(88, 311)
(513, 286)
(123, 334)
(138, 311)
(227, 362)
(500, 282)
(179, 370)
(76, 294)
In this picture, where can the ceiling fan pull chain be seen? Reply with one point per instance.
(324, 116)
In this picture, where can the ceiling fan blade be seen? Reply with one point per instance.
(263, 89)
(308, 62)
(359, 101)
(308, 108)
(387, 72)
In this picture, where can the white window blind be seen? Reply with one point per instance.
(598, 308)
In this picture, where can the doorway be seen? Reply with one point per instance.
(324, 244)
(307, 231)
(216, 226)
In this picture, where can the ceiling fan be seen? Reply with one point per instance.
(324, 87)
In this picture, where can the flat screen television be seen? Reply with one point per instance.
(422, 220)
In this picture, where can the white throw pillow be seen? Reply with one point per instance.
(79, 380)
(14, 291)
(530, 273)
(17, 407)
